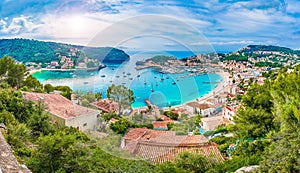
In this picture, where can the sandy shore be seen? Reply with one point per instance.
(221, 87)
(34, 71)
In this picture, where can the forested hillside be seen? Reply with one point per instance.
(25, 50)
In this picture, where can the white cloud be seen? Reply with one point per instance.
(18, 25)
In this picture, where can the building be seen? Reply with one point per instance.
(195, 107)
(229, 112)
(159, 146)
(65, 112)
(106, 105)
(210, 123)
(162, 124)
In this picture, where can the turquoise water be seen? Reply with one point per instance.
(174, 90)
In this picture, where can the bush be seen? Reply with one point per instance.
(171, 115)
(219, 140)
(23, 151)
(223, 147)
(170, 125)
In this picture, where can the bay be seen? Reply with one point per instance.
(162, 90)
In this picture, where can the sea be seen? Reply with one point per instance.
(163, 90)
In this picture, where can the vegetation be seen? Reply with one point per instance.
(122, 95)
(236, 58)
(266, 130)
(162, 58)
(268, 64)
(25, 50)
(172, 115)
(253, 48)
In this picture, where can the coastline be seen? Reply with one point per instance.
(62, 70)
(221, 87)
(218, 89)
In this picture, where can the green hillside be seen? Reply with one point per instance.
(26, 50)
(252, 48)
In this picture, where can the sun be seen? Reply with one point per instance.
(76, 24)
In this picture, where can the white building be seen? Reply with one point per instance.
(229, 112)
(211, 123)
(65, 112)
(195, 108)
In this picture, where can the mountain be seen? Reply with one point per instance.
(25, 50)
(253, 48)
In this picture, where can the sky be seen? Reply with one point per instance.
(221, 25)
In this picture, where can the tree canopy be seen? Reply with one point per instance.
(122, 95)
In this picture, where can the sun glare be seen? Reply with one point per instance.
(76, 24)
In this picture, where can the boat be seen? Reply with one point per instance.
(124, 76)
(103, 75)
(110, 81)
(128, 74)
(155, 77)
(85, 83)
(167, 77)
(131, 78)
(117, 76)
(138, 75)
(145, 82)
(152, 90)
(156, 84)
(173, 83)
(162, 79)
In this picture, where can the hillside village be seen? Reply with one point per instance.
(216, 109)
(174, 129)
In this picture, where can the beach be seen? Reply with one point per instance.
(221, 87)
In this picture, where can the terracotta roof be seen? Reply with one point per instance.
(159, 146)
(210, 100)
(135, 134)
(165, 118)
(227, 107)
(106, 105)
(160, 124)
(58, 105)
(197, 105)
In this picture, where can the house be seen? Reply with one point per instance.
(159, 146)
(162, 124)
(65, 112)
(54, 63)
(229, 112)
(211, 123)
(106, 105)
(203, 108)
